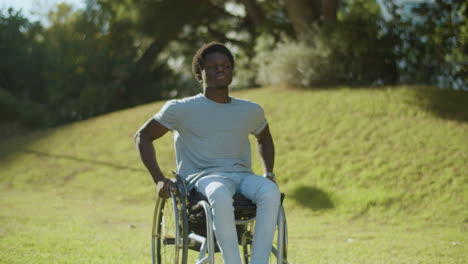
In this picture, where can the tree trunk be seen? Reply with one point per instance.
(163, 29)
(329, 8)
(302, 14)
(254, 12)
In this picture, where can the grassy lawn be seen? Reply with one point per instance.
(371, 176)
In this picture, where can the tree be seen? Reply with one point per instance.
(116, 54)
(333, 46)
(304, 14)
(21, 54)
(22, 58)
(433, 44)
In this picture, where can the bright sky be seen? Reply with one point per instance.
(37, 9)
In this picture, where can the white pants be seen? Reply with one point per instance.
(219, 189)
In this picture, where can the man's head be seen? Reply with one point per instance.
(213, 65)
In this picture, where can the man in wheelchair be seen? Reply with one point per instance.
(211, 135)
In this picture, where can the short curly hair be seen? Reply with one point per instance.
(205, 50)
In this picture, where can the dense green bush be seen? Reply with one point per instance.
(433, 42)
(8, 106)
(28, 113)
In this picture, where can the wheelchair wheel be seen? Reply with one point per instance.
(169, 232)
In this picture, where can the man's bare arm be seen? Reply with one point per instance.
(144, 138)
(266, 149)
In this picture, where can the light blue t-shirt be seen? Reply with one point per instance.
(210, 137)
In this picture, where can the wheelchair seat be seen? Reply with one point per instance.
(244, 210)
(243, 207)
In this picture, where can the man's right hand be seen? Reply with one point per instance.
(164, 187)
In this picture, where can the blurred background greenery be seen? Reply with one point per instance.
(75, 63)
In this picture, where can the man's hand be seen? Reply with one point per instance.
(164, 187)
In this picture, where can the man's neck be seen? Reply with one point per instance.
(219, 95)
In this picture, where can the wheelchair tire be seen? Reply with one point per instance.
(169, 245)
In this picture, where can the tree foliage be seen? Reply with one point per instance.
(433, 42)
(349, 50)
(22, 58)
(115, 54)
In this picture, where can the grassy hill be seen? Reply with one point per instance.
(371, 176)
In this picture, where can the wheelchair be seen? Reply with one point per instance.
(182, 230)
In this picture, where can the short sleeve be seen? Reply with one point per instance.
(167, 116)
(259, 122)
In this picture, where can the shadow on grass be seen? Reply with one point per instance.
(84, 160)
(312, 198)
(444, 103)
(13, 141)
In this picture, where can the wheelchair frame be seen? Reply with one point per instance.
(172, 238)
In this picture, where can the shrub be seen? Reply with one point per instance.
(294, 62)
(23, 112)
(8, 106)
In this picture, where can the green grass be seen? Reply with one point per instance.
(371, 176)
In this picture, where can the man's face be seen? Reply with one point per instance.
(216, 71)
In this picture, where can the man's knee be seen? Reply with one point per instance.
(270, 194)
(220, 197)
